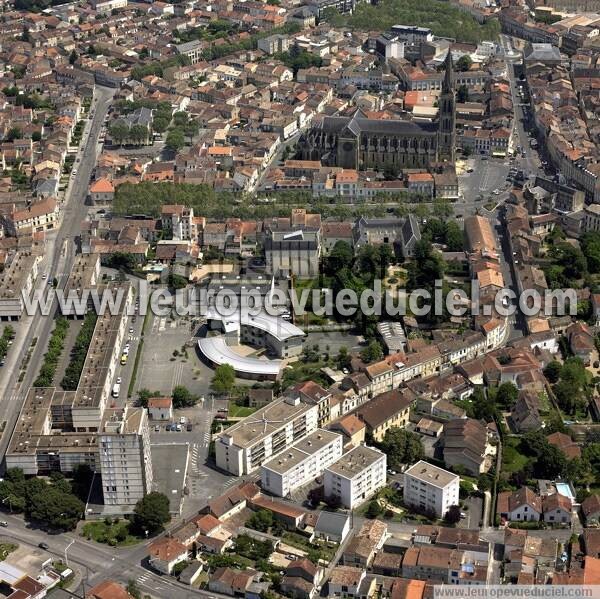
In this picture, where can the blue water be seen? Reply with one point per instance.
(565, 490)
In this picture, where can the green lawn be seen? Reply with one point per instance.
(325, 551)
(115, 534)
(236, 411)
(6, 549)
(512, 458)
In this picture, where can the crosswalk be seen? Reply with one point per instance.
(194, 455)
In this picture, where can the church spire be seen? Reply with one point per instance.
(448, 85)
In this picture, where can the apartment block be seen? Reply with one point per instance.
(16, 281)
(356, 476)
(245, 446)
(304, 461)
(125, 459)
(180, 220)
(430, 488)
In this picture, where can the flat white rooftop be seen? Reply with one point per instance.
(280, 328)
(218, 352)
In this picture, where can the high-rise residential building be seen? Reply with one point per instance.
(356, 476)
(125, 459)
(430, 488)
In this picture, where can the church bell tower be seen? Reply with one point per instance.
(447, 118)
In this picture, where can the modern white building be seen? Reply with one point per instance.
(304, 461)
(280, 337)
(430, 488)
(125, 459)
(245, 446)
(356, 476)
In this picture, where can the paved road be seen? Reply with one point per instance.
(57, 262)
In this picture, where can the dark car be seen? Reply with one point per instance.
(44, 546)
(189, 427)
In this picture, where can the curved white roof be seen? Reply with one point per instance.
(218, 352)
(280, 328)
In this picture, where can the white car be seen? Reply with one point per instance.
(119, 380)
(182, 420)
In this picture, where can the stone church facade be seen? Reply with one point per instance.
(358, 142)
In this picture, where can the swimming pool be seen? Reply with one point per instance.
(565, 490)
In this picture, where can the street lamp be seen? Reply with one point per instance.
(66, 549)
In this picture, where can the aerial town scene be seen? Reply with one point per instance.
(299, 298)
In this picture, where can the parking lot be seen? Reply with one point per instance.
(331, 341)
(170, 357)
(473, 511)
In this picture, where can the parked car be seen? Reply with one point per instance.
(189, 427)
(157, 428)
(182, 420)
(44, 546)
(3, 523)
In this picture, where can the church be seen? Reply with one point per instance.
(357, 142)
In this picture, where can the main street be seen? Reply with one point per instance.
(57, 262)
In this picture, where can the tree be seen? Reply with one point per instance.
(442, 208)
(454, 237)
(552, 371)
(145, 394)
(340, 257)
(14, 133)
(183, 398)
(374, 509)
(462, 94)
(261, 520)
(134, 590)
(160, 124)
(464, 63)
(372, 353)
(551, 464)
(190, 129)
(401, 447)
(175, 140)
(484, 408)
(73, 57)
(57, 509)
(507, 395)
(223, 379)
(151, 513)
(452, 516)
(138, 134)
(343, 358)
(122, 261)
(176, 281)
(36, 136)
(119, 132)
